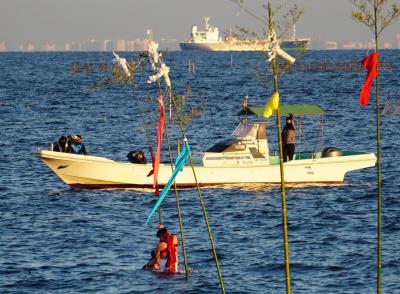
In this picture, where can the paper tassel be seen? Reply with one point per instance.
(122, 63)
(153, 54)
(162, 72)
(274, 49)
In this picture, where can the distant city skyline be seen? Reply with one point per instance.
(53, 24)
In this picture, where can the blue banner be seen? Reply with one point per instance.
(179, 164)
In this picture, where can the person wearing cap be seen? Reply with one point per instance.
(288, 139)
(164, 258)
(75, 145)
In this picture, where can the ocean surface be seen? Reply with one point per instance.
(55, 239)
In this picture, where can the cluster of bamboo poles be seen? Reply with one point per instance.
(283, 192)
(171, 96)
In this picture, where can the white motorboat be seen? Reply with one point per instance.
(242, 158)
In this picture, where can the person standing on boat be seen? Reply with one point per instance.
(288, 139)
(165, 256)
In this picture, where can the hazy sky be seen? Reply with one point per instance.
(60, 21)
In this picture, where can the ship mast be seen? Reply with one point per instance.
(294, 33)
(206, 19)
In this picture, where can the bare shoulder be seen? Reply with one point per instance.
(162, 246)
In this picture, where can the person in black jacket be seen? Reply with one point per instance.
(288, 139)
(61, 145)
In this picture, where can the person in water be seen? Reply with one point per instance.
(137, 156)
(61, 145)
(288, 139)
(75, 145)
(165, 257)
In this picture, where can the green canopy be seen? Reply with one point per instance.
(296, 109)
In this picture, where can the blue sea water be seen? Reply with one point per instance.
(55, 239)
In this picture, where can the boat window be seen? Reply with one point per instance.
(243, 131)
(227, 145)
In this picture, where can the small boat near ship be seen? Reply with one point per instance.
(209, 40)
(242, 158)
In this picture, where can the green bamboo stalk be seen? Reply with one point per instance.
(221, 281)
(282, 170)
(377, 22)
(378, 147)
(131, 83)
(178, 207)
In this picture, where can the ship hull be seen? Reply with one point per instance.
(241, 46)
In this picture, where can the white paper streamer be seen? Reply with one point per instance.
(274, 49)
(122, 63)
(162, 72)
(154, 56)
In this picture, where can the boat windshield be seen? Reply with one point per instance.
(227, 145)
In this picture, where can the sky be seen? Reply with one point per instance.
(60, 21)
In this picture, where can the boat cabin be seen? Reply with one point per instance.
(247, 145)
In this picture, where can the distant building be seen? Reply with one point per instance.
(76, 46)
(108, 45)
(358, 45)
(120, 45)
(398, 40)
(130, 45)
(387, 45)
(331, 45)
(50, 47)
(3, 47)
(28, 47)
(92, 45)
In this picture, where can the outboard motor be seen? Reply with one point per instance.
(331, 152)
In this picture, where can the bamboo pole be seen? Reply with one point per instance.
(282, 170)
(199, 194)
(178, 207)
(131, 83)
(378, 147)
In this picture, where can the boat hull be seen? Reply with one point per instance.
(99, 173)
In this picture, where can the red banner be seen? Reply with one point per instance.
(370, 63)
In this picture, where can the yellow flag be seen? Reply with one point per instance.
(272, 104)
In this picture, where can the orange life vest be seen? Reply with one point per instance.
(172, 253)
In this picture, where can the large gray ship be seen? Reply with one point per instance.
(209, 40)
